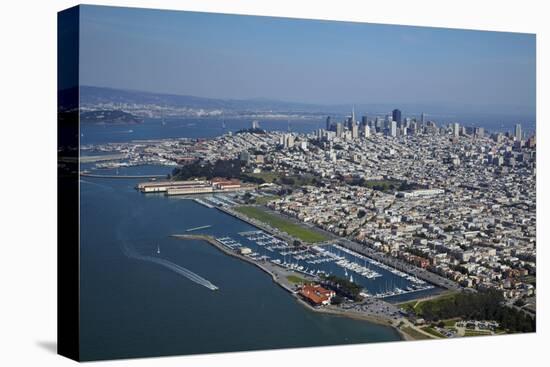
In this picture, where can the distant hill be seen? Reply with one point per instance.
(108, 117)
(159, 105)
(90, 96)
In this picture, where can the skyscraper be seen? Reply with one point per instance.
(329, 123)
(339, 129)
(366, 131)
(393, 128)
(288, 141)
(456, 129)
(354, 131)
(517, 132)
(479, 132)
(349, 123)
(364, 120)
(422, 118)
(396, 116)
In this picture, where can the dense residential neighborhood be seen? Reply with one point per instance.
(454, 200)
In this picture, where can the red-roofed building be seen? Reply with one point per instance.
(316, 295)
(225, 184)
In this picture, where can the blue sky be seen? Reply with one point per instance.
(229, 56)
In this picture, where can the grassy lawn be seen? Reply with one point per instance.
(432, 331)
(296, 279)
(416, 306)
(451, 322)
(268, 176)
(408, 306)
(415, 334)
(281, 224)
(262, 200)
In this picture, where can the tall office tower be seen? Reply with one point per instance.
(366, 131)
(339, 129)
(289, 140)
(364, 120)
(372, 125)
(329, 123)
(353, 114)
(532, 142)
(517, 132)
(456, 129)
(393, 128)
(396, 116)
(411, 130)
(349, 123)
(255, 124)
(479, 132)
(379, 124)
(320, 133)
(354, 131)
(422, 118)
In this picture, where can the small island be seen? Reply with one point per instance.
(109, 117)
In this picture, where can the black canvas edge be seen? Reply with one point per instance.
(68, 218)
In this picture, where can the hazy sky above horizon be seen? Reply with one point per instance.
(325, 62)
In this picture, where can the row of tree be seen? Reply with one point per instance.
(342, 287)
(221, 168)
(487, 305)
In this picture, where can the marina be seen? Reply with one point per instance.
(378, 280)
(212, 201)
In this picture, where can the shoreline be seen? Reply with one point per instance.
(276, 278)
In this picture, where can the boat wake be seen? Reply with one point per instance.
(133, 254)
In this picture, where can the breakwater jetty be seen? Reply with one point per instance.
(279, 276)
